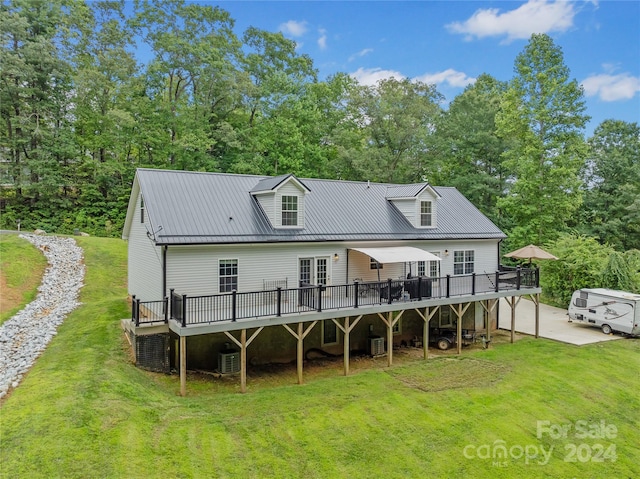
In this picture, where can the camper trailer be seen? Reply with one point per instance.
(610, 310)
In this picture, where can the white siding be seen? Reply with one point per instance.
(267, 202)
(408, 209)
(193, 270)
(144, 261)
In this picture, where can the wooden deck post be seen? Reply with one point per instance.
(458, 331)
(426, 318)
(513, 320)
(512, 302)
(536, 300)
(346, 329)
(390, 336)
(459, 310)
(300, 353)
(390, 321)
(243, 344)
(243, 361)
(345, 341)
(183, 365)
(300, 335)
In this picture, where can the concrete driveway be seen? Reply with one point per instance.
(554, 324)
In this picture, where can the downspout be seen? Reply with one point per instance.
(346, 279)
(164, 271)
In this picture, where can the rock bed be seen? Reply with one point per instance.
(24, 336)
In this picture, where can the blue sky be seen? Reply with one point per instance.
(450, 43)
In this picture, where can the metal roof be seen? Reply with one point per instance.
(206, 208)
(405, 191)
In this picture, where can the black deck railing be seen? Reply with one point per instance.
(191, 310)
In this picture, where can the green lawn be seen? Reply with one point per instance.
(85, 411)
(21, 268)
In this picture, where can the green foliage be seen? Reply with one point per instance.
(611, 177)
(581, 264)
(469, 151)
(617, 273)
(546, 149)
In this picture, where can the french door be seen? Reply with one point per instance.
(314, 271)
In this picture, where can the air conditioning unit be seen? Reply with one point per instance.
(229, 362)
(376, 346)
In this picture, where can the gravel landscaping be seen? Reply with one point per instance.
(24, 336)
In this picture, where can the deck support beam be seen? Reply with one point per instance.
(513, 302)
(346, 329)
(426, 317)
(536, 300)
(183, 366)
(489, 307)
(459, 310)
(243, 344)
(390, 321)
(300, 335)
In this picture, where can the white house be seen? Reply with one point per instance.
(214, 256)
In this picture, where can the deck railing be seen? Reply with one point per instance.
(191, 310)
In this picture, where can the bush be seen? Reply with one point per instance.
(581, 264)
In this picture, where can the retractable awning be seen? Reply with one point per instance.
(398, 254)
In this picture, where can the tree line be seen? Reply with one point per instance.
(79, 113)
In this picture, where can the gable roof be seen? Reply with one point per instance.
(408, 191)
(272, 183)
(185, 207)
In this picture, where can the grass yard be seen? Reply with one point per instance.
(21, 268)
(84, 411)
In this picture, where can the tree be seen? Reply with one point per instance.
(611, 178)
(469, 151)
(35, 108)
(542, 119)
(581, 264)
(190, 80)
(396, 119)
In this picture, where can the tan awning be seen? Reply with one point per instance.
(398, 254)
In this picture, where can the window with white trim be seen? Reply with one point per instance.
(463, 261)
(289, 210)
(228, 275)
(426, 213)
(421, 268)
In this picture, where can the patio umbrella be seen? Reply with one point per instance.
(530, 252)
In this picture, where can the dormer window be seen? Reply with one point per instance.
(289, 210)
(425, 213)
(418, 203)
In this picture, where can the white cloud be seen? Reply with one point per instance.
(535, 16)
(371, 76)
(612, 87)
(322, 40)
(293, 28)
(453, 77)
(360, 54)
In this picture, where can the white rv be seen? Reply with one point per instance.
(608, 309)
